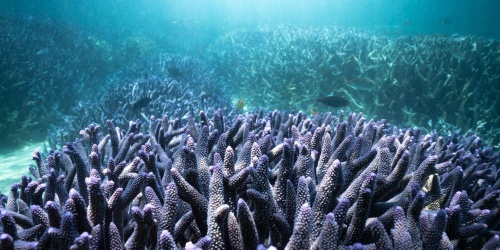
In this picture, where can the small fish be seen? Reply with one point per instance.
(313, 111)
(457, 54)
(333, 101)
(240, 105)
(174, 71)
(141, 103)
(362, 83)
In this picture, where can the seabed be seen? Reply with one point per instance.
(14, 163)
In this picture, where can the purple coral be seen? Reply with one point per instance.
(269, 185)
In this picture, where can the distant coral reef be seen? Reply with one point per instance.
(416, 80)
(176, 85)
(44, 65)
(257, 181)
(51, 72)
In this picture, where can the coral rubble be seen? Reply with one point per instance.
(258, 181)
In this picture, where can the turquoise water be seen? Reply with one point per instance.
(206, 19)
(15, 163)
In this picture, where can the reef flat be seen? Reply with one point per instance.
(260, 180)
(444, 82)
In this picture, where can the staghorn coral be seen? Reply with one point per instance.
(432, 81)
(174, 85)
(382, 187)
(52, 72)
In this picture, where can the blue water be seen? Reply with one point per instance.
(204, 20)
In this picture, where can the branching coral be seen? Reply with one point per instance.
(410, 80)
(177, 86)
(379, 187)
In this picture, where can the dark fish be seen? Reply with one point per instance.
(333, 101)
(174, 71)
(141, 103)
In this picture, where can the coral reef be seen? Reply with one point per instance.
(44, 65)
(244, 182)
(415, 80)
(52, 72)
(171, 84)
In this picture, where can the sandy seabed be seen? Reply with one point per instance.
(15, 163)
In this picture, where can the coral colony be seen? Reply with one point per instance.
(258, 181)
